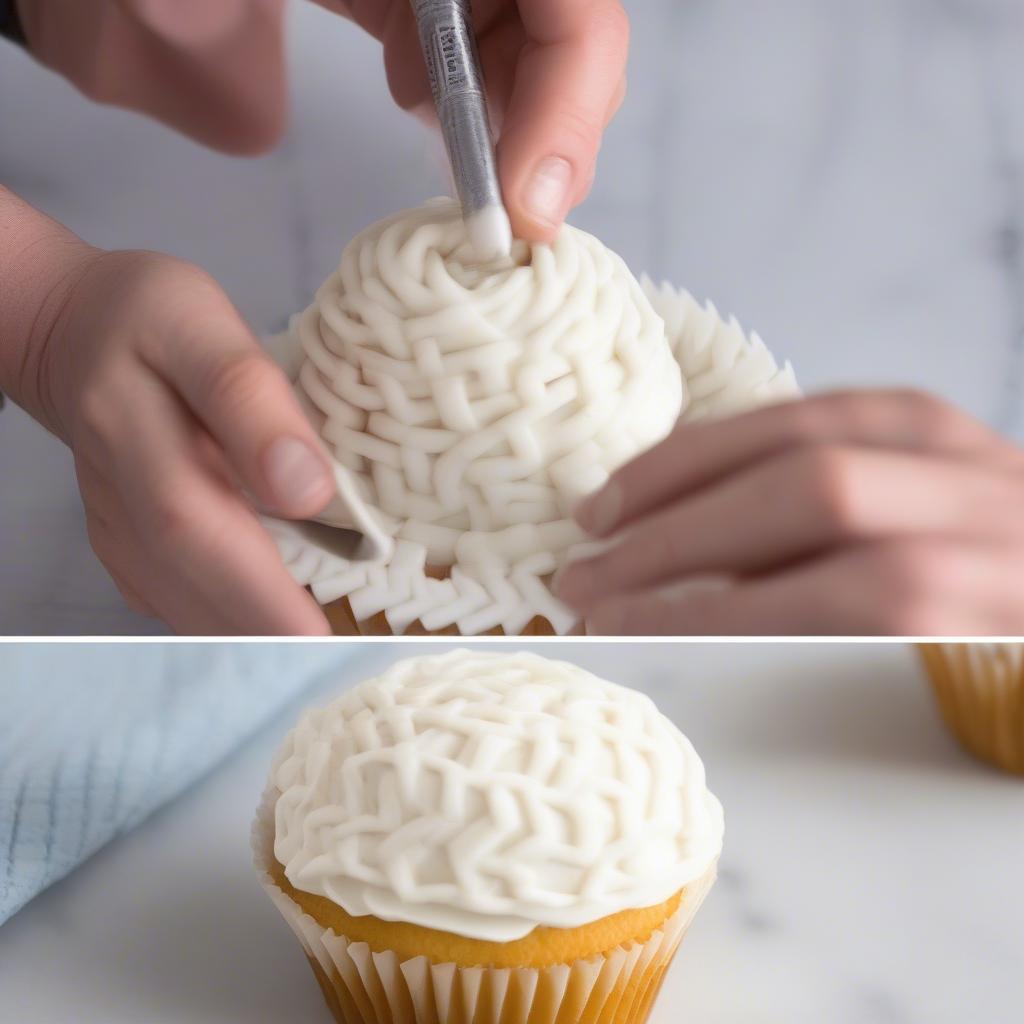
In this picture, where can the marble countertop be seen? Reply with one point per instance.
(871, 871)
(848, 179)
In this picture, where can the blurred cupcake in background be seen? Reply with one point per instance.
(488, 837)
(980, 690)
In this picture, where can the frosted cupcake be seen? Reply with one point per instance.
(473, 406)
(980, 690)
(488, 837)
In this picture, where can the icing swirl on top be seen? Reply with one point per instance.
(476, 404)
(486, 794)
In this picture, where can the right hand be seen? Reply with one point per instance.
(556, 75)
(172, 409)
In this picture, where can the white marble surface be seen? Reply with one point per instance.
(848, 178)
(871, 871)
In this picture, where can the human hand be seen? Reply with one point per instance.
(213, 69)
(885, 512)
(555, 74)
(171, 408)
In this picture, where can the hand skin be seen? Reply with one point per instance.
(140, 363)
(555, 72)
(556, 75)
(869, 513)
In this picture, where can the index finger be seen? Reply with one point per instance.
(695, 455)
(567, 83)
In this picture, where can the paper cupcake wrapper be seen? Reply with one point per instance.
(364, 987)
(344, 623)
(980, 691)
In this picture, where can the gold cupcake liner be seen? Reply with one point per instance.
(364, 987)
(344, 623)
(980, 691)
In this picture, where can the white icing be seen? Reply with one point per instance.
(486, 794)
(726, 371)
(474, 405)
(490, 233)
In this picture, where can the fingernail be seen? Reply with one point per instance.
(296, 475)
(547, 192)
(599, 513)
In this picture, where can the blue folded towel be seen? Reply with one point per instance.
(95, 737)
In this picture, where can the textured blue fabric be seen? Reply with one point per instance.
(94, 737)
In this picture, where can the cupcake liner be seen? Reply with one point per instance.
(980, 692)
(343, 622)
(364, 987)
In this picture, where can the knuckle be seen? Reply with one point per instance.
(923, 403)
(237, 381)
(176, 528)
(838, 412)
(94, 409)
(915, 580)
(801, 419)
(934, 418)
(183, 299)
(185, 288)
(831, 487)
(580, 130)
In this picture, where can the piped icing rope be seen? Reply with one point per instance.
(725, 370)
(473, 406)
(486, 794)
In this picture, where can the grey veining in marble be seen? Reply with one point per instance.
(870, 875)
(847, 178)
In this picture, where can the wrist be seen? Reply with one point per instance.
(40, 264)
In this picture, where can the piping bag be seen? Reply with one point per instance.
(457, 84)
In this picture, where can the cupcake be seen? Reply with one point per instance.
(488, 837)
(472, 406)
(980, 690)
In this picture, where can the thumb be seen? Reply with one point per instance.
(568, 82)
(247, 404)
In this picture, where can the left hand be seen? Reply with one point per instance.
(865, 513)
(212, 69)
